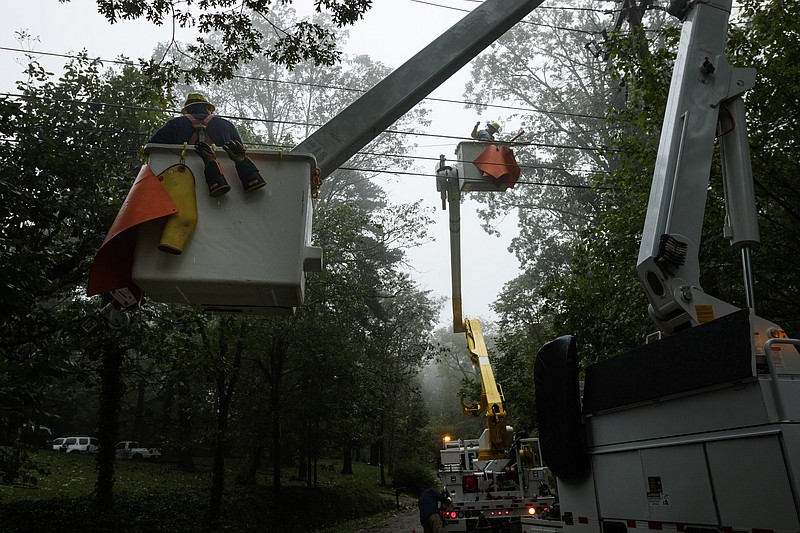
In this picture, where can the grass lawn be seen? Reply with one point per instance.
(156, 496)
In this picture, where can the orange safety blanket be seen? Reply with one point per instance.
(499, 163)
(113, 263)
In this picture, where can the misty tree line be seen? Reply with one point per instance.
(341, 373)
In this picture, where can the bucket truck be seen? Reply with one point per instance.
(698, 431)
(497, 479)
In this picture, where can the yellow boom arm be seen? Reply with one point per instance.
(492, 398)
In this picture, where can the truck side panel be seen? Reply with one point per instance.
(756, 466)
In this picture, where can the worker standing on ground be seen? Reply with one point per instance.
(198, 125)
(428, 505)
(486, 134)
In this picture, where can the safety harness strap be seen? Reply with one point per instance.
(200, 134)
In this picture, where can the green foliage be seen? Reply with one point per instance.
(413, 476)
(595, 292)
(765, 40)
(69, 147)
(18, 466)
(243, 39)
(157, 497)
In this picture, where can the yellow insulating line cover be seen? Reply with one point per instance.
(178, 181)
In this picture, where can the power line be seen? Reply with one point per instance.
(520, 182)
(95, 147)
(333, 87)
(596, 32)
(295, 123)
(565, 8)
(551, 26)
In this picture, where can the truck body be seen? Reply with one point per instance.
(497, 479)
(698, 431)
(499, 491)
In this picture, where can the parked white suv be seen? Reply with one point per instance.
(79, 445)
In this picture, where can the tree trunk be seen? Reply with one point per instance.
(380, 458)
(276, 455)
(218, 472)
(138, 421)
(374, 454)
(316, 463)
(108, 423)
(347, 459)
(185, 459)
(247, 474)
(277, 356)
(226, 384)
(309, 454)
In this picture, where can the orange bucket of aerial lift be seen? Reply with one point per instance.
(178, 181)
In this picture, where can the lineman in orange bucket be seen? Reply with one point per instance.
(198, 125)
(486, 134)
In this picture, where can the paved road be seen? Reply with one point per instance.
(406, 521)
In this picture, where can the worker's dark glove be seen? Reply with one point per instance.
(205, 151)
(236, 151)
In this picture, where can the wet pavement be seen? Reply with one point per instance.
(407, 521)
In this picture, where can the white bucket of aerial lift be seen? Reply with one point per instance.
(249, 252)
(471, 178)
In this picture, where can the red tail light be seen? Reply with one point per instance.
(469, 484)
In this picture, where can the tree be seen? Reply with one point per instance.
(68, 150)
(763, 40)
(363, 237)
(224, 343)
(243, 39)
(599, 297)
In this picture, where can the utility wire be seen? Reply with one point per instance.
(597, 32)
(403, 172)
(565, 8)
(292, 123)
(333, 87)
(520, 182)
(551, 26)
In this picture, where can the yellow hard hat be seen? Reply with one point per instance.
(196, 98)
(495, 125)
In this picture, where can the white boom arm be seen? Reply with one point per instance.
(704, 92)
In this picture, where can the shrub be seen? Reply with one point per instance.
(415, 476)
(17, 466)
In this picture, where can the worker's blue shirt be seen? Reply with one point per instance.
(180, 130)
(429, 503)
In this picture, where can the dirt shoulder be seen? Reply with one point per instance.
(405, 521)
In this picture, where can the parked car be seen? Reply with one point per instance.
(56, 443)
(79, 445)
(130, 449)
